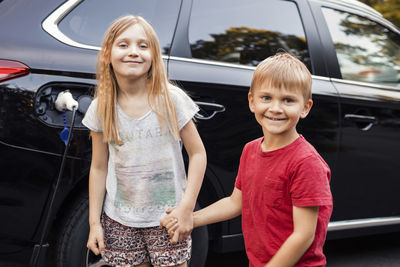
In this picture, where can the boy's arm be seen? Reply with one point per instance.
(305, 223)
(222, 210)
(196, 169)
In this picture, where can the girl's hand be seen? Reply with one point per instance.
(184, 224)
(96, 239)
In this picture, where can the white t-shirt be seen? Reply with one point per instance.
(146, 175)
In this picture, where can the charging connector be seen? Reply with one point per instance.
(66, 101)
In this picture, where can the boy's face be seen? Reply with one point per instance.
(278, 110)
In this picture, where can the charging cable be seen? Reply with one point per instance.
(64, 102)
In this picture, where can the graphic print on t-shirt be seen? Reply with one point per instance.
(145, 181)
(146, 188)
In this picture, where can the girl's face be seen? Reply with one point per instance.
(130, 54)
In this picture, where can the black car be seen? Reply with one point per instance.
(210, 49)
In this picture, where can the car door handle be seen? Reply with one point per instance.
(371, 120)
(208, 110)
(360, 118)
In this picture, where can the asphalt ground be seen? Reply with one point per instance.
(368, 251)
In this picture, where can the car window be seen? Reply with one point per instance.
(246, 32)
(88, 22)
(366, 50)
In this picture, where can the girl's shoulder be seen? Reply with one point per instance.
(93, 106)
(183, 103)
(175, 91)
(177, 94)
(91, 119)
(94, 101)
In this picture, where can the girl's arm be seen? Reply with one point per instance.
(97, 189)
(305, 223)
(196, 169)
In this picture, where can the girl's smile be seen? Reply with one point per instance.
(131, 54)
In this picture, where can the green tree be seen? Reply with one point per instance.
(390, 9)
(248, 46)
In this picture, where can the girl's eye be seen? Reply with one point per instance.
(122, 45)
(143, 46)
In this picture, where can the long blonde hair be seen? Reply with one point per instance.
(157, 82)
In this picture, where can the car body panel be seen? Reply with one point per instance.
(353, 125)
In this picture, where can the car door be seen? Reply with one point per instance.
(213, 57)
(366, 52)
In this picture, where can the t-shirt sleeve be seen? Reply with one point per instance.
(310, 185)
(91, 120)
(238, 182)
(184, 106)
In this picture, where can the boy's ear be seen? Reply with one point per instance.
(251, 101)
(307, 108)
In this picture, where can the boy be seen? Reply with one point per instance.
(282, 187)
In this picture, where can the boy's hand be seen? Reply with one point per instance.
(96, 239)
(169, 222)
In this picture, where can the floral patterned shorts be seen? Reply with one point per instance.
(130, 246)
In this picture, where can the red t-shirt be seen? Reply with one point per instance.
(271, 183)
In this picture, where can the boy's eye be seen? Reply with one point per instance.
(266, 98)
(288, 100)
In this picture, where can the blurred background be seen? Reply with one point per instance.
(390, 9)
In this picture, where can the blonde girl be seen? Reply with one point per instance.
(138, 122)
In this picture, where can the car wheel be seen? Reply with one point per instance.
(71, 242)
(93, 260)
(199, 247)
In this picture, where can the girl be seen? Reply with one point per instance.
(137, 121)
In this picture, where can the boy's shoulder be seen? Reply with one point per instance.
(255, 141)
(307, 152)
(298, 151)
(253, 144)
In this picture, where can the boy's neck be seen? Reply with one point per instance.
(273, 142)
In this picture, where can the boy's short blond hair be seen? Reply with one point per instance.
(283, 71)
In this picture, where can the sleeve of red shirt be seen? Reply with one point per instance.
(310, 183)
(238, 183)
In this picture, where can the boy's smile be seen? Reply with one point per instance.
(278, 111)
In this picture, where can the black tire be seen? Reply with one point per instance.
(199, 247)
(72, 238)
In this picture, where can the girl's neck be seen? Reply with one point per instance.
(132, 88)
(132, 98)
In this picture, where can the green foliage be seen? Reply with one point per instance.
(390, 9)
